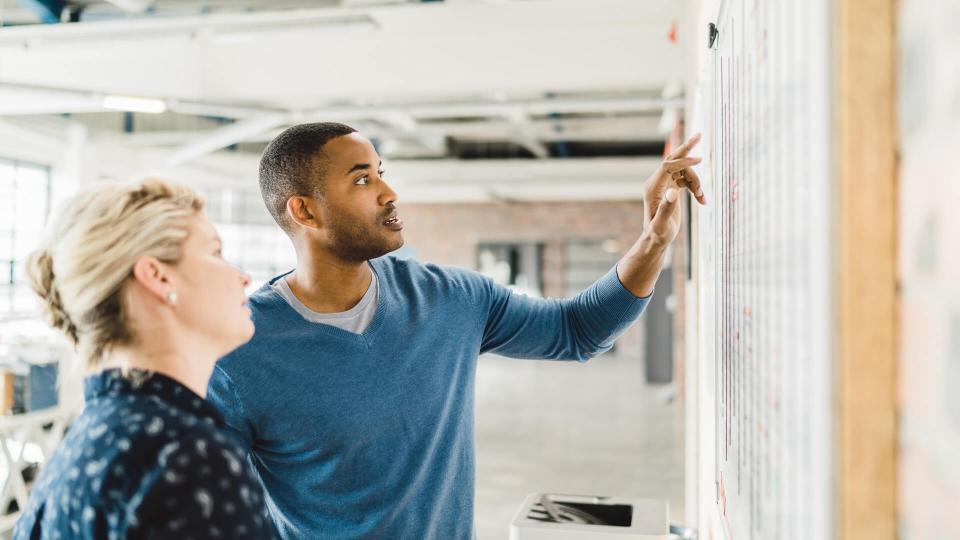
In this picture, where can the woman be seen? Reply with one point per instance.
(133, 275)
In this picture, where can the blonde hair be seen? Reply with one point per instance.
(91, 247)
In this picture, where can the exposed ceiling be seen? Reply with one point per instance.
(470, 79)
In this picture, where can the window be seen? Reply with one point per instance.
(24, 207)
(251, 239)
(513, 265)
(262, 251)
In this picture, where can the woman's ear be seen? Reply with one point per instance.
(303, 211)
(154, 277)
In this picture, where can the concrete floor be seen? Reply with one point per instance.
(564, 427)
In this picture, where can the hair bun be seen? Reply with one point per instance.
(40, 273)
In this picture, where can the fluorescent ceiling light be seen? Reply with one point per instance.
(134, 104)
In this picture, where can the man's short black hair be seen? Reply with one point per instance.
(293, 163)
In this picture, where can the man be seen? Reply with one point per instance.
(355, 396)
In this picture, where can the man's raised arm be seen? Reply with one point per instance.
(639, 269)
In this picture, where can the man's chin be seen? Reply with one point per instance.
(389, 246)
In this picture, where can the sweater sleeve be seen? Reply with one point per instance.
(577, 328)
(222, 394)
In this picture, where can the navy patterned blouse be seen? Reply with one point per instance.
(145, 460)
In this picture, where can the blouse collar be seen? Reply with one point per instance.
(112, 382)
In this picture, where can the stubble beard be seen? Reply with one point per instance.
(355, 243)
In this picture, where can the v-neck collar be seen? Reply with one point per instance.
(366, 336)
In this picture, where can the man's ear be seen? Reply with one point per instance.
(303, 211)
(153, 276)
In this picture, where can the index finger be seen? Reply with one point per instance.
(685, 148)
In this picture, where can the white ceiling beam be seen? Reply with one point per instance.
(396, 132)
(97, 12)
(22, 140)
(22, 99)
(226, 136)
(397, 114)
(524, 136)
(622, 128)
(618, 128)
(414, 112)
(196, 28)
(372, 3)
(18, 99)
(223, 110)
(400, 121)
(132, 6)
(542, 106)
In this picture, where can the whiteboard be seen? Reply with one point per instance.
(763, 259)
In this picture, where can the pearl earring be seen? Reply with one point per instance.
(172, 298)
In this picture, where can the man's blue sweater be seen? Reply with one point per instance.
(371, 435)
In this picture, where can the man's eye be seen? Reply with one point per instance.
(362, 180)
(381, 173)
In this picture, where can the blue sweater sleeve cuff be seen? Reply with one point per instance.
(617, 299)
